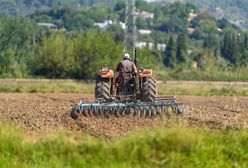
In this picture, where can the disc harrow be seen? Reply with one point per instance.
(121, 109)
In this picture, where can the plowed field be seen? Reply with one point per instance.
(39, 113)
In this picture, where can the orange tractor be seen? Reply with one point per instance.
(139, 87)
(125, 95)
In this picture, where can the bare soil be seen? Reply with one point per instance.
(39, 113)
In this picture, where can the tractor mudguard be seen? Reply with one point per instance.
(106, 72)
(146, 73)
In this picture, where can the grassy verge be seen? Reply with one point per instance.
(46, 86)
(164, 88)
(203, 88)
(177, 147)
(210, 74)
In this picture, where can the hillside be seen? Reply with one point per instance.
(235, 11)
(24, 7)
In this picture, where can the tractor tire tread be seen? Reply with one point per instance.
(149, 90)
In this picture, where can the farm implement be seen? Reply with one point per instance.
(130, 95)
(121, 109)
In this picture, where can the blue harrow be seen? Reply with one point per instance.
(129, 108)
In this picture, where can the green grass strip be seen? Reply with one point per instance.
(172, 147)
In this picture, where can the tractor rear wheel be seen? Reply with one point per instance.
(149, 90)
(102, 89)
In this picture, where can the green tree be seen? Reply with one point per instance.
(117, 32)
(245, 43)
(56, 57)
(16, 45)
(244, 60)
(120, 10)
(231, 48)
(170, 54)
(94, 50)
(182, 49)
(211, 43)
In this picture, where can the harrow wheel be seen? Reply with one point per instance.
(149, 90)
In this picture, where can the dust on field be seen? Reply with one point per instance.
(39, 113)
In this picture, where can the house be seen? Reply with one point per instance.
(145, 32)
(104, 24)
(145, 15)
(141, 45)
(151, 46)
(237, 22)
(191, 30)
(50, 26)
(219, 30)
(192, 15)
(145, 44)
(161, 47)
(123, 25)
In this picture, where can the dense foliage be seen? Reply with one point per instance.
(63, 56)
(77, 47)
(16, 45)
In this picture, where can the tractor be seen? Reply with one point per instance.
(125, 87)
(126, 95)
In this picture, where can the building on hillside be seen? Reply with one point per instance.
(144, 14)
(123, 25)
(145, 32)
(191, 30)
(141, 45)
(151, 46)
(104, 24)
(192, 15)
(49, 26)
(161, 47)
(237, 22)
(219, 30)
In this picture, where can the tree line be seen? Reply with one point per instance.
(27, 50)
(233, 48)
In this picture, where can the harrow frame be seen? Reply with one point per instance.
(127, 108)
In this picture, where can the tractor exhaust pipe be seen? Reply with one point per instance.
(136, 57)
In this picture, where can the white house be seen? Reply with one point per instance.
(151, 46)
(50, 26)
(161, 47)
(104, 24)
(123, 25)
(141, 44)
(145, 32)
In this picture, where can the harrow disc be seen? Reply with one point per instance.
(120, 109)
(74, 112)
